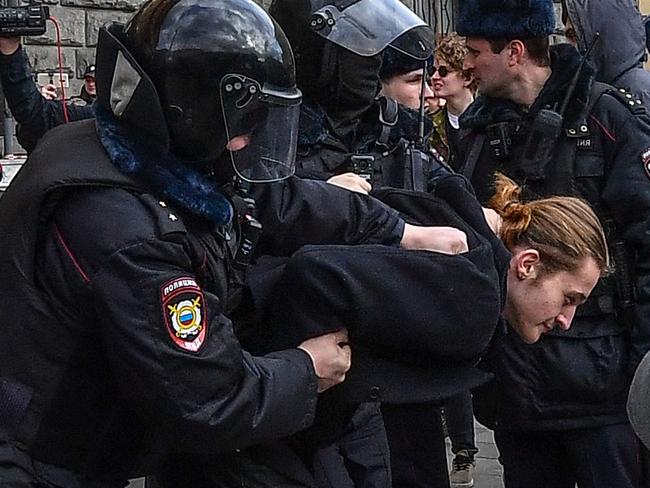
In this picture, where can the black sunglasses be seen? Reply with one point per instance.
(442, 71)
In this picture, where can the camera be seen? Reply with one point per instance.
(28, 20)
(363, 165)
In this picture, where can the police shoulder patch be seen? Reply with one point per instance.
(185, 313)
(645, 160)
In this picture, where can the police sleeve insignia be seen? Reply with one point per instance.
(185, 313)
(645, 159)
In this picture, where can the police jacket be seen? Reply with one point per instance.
(117, 346)
(378, 150)
(35, 114)
(619, 54)
(580, 377)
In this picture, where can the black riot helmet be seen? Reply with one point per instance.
(218, 75)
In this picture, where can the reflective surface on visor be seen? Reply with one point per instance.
(265, 123)
(368, 26)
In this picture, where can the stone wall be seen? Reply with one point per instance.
(79, 22)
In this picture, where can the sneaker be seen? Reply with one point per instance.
(462, 471)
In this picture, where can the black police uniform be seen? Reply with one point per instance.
(378, 153)
(117, 346)
(572, 385)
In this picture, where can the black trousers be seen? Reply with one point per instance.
(360, 458)
(597, 457)
(459, 417)
(417, 445)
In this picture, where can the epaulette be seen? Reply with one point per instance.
(631, 101)
(167, 219)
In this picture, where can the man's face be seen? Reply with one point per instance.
(89, 83)
(405, 89)
(490, 70)
(537, 304)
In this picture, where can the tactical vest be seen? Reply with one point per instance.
(384, 164)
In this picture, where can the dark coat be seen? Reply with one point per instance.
(95, 373)
(619, 54)
(576, 378)
(409, 348)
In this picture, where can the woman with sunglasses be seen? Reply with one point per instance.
(453, 85)
(456, 87)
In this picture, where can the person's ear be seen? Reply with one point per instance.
(468, 80)
(526, 263)
(516, 50)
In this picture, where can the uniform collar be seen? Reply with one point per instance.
(168, 176)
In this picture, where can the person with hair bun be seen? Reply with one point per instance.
(558, 251)
(552, 254)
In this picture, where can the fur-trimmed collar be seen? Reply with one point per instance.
(168, 176)
(564, 63)
(314, 127)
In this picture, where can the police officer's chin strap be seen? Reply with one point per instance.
(418, 159)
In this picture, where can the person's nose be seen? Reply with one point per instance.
(428, 91)
(468, 63)
(565, 318)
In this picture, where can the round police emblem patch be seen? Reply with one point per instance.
(185, 313)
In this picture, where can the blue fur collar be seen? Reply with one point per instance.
(169, 177)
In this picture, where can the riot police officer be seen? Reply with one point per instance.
(126, 241)
(345, 125)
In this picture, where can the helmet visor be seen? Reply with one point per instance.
(262, 128)
(367, 27)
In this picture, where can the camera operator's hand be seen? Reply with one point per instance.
(9, 45)
(49, 92)
(352, 182)
(446, 240)
(331, 356)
